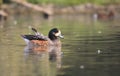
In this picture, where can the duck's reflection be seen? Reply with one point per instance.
(53, 53)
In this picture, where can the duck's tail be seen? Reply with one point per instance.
(25, 39)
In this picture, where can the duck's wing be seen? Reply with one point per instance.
(34, 37)
(35, 31)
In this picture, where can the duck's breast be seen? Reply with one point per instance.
(39, 42)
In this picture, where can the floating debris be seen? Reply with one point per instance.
(98, 51)
(15, 22)
(82, 66)
(30, 27)
(99, 32)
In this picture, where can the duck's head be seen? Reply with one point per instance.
(54, 34)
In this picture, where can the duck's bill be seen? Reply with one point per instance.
(61, 36)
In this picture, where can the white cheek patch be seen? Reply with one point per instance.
(58, 34)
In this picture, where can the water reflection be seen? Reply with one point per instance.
(51, 54)
(90, 48)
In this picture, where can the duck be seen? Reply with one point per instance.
(38, 39)
(102, 15)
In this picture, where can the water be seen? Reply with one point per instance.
(90, 48)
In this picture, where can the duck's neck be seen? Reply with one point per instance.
(53, 38)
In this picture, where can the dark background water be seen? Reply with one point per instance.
(90, 47)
